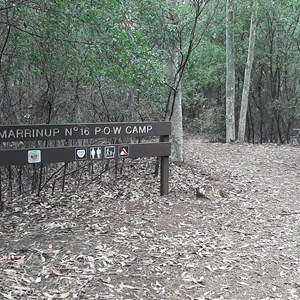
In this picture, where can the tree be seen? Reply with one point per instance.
(275, 76)
(230, 74)
(248, 68)
(184, 20)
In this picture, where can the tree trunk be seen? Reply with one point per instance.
(178, 55)
(174, 103)
(247, 76)
(177, 128)
(230, 74)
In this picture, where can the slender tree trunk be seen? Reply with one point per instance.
(247, 76)
(177, 128)
(230, 74)
(175, 64)
(251, 126)
(174, 103)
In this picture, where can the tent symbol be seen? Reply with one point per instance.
(124, 151)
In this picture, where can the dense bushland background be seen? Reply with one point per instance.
(104, 61)
(65, 61)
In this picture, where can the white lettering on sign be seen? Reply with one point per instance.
(84, 131)
(117, 130)
(55, 131)
(108, 130)
(81, 131)
(68, 131)
(19, 133)
(3, 134)
(97, 130)
(138, 129)
(27, 133)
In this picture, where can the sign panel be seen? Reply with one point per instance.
(68, 154)
(10, 133)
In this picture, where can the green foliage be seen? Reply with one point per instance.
(57, 43)
(105, 59)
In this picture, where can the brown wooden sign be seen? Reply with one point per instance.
(29, 156)
(10, 133)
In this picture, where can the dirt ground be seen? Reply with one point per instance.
(239, 240)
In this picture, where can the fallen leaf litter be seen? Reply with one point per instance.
(123, 241)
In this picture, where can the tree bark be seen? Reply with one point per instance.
(247, 76)
(174, 109)
(177, 127)
(230, 74)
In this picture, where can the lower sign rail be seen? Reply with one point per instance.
(91, 153)
(82, 153)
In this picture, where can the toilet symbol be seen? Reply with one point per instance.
(95, 153)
